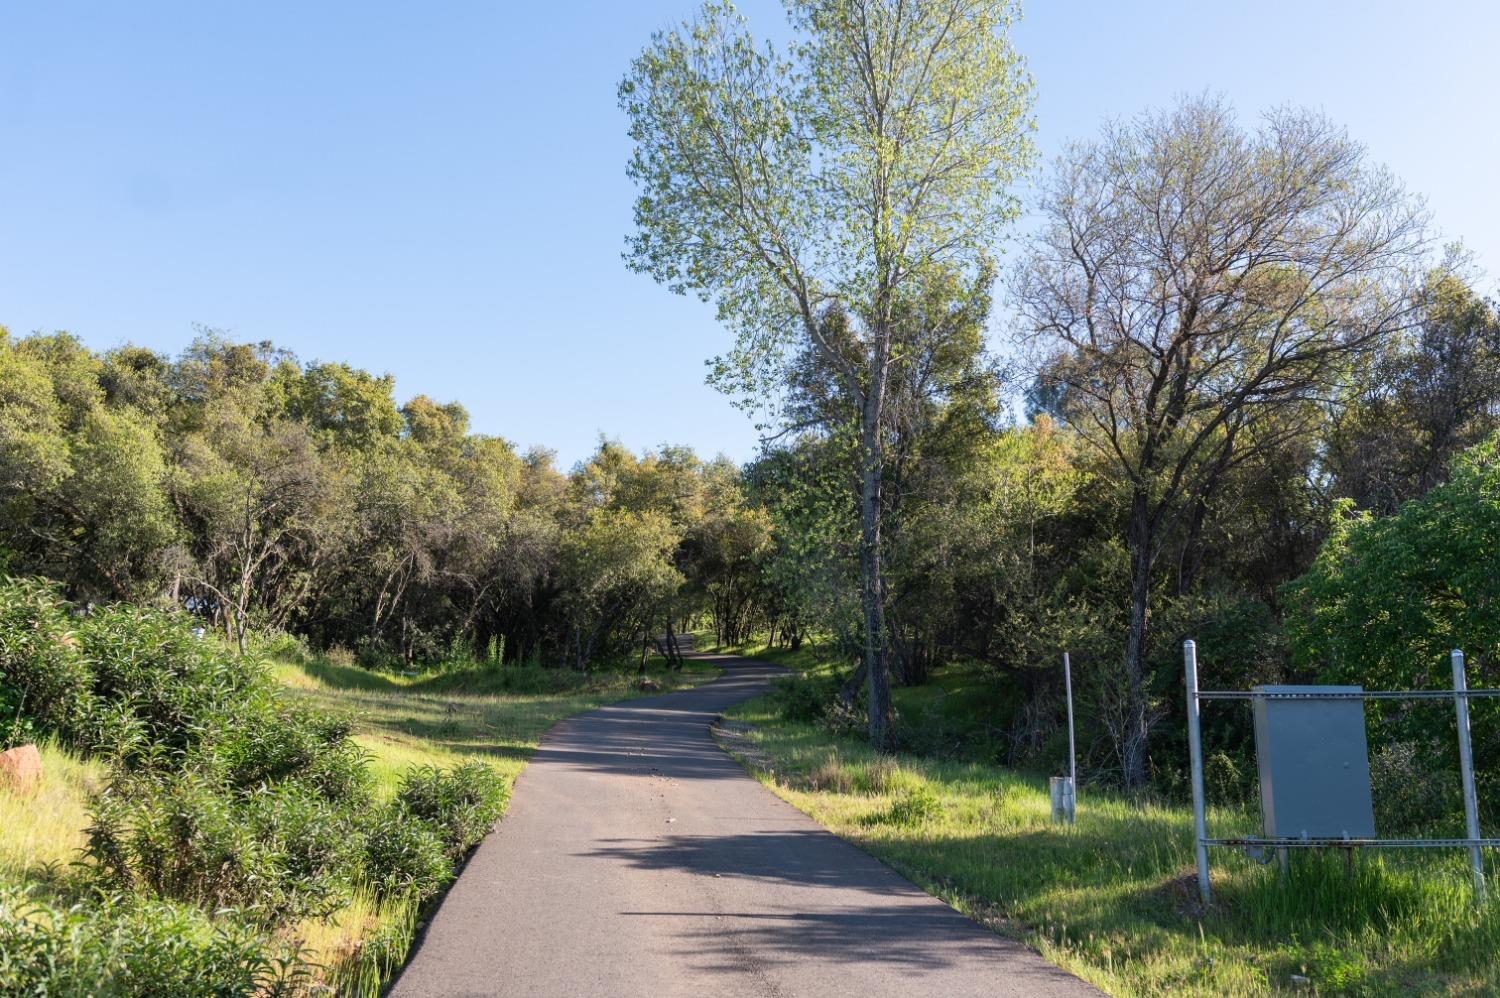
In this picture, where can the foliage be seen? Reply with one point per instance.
(462, 804)
(39, 658)
(405, 856)
(1388, 598)
(225, 796)
(130, 948)
(1196, 291)
(805, 698)
(1429, 394)
(267, 496)
(15, 727)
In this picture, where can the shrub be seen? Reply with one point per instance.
(268, 739)
(462, 804)
(405, 856)
(313, 846)
(281, 852)
(15, 727)
(133, 949)
(1388, 598)
(805, 698)
(39, 657)
(1226, 781)
(1411, 794)
(176, 835)
(179, 686)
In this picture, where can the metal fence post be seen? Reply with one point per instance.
(1072, 753)
(1195, 754)
(1466, 770)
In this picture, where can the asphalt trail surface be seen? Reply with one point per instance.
(637, 858)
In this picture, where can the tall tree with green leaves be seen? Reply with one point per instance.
(815, 192)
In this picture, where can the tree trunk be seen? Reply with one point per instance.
(849, 692)
(870, 594)
(1133, 744)
(674, 658)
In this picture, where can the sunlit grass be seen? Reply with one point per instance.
(1114, 900)
(41, 832)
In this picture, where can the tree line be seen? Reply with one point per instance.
(261, 493)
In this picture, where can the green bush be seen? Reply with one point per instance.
(15, 727)
(1413, 791)
(268, 740)
(1388, 598)
(178, 835)
(180, 687)
(39, 657)
(125, 948)
(405, 856)
(225, 795)
(805, 698)
(462, 804)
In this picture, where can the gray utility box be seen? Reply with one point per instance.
(1314, 765)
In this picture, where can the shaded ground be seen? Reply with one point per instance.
(638, 859)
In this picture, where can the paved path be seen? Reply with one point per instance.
(638, 859)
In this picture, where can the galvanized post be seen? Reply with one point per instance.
(1466, 770)
(1072, 754)
(1195, 754)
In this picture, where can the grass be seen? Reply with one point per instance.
(1114, 898)
(497, 716)
(40, 834)
(814, 658)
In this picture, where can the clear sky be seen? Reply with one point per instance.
(438, 190)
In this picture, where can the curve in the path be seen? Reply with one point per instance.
(637, 859)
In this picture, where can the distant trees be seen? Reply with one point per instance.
(264, 494)
(1195, 293)
(1422, 398)
(616, 565)
(842, 197)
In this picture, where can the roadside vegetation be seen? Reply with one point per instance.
(203, 828)
(1114, 898)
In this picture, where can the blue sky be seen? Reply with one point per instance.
(438, 190)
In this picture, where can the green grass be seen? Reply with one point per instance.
(1114, 898)
(814, 658)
